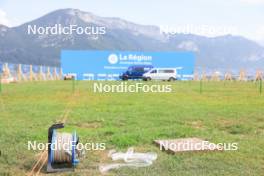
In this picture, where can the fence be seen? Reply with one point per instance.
(21, 72)
(228, 76)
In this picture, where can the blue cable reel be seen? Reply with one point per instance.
(62, 150)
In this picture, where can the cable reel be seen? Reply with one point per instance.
(62, 150)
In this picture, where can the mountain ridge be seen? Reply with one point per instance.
(222, 52)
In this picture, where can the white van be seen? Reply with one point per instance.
(169, 74)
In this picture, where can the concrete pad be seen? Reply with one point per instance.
(187, 145)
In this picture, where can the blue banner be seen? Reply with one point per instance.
(25, 69)
(35, 68)
(109, 64)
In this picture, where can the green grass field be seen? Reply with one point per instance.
(223, 113)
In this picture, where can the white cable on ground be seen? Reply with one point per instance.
(130, 158)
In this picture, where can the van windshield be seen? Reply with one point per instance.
(153, 71)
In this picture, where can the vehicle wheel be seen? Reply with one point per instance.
(148, 79)
(171, 79)
(125, 78)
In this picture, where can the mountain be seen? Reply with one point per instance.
(224, 52)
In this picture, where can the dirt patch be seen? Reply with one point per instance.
(95, 124)
(225, 122)
(196, 124)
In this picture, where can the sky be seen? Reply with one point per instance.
(238, 17)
